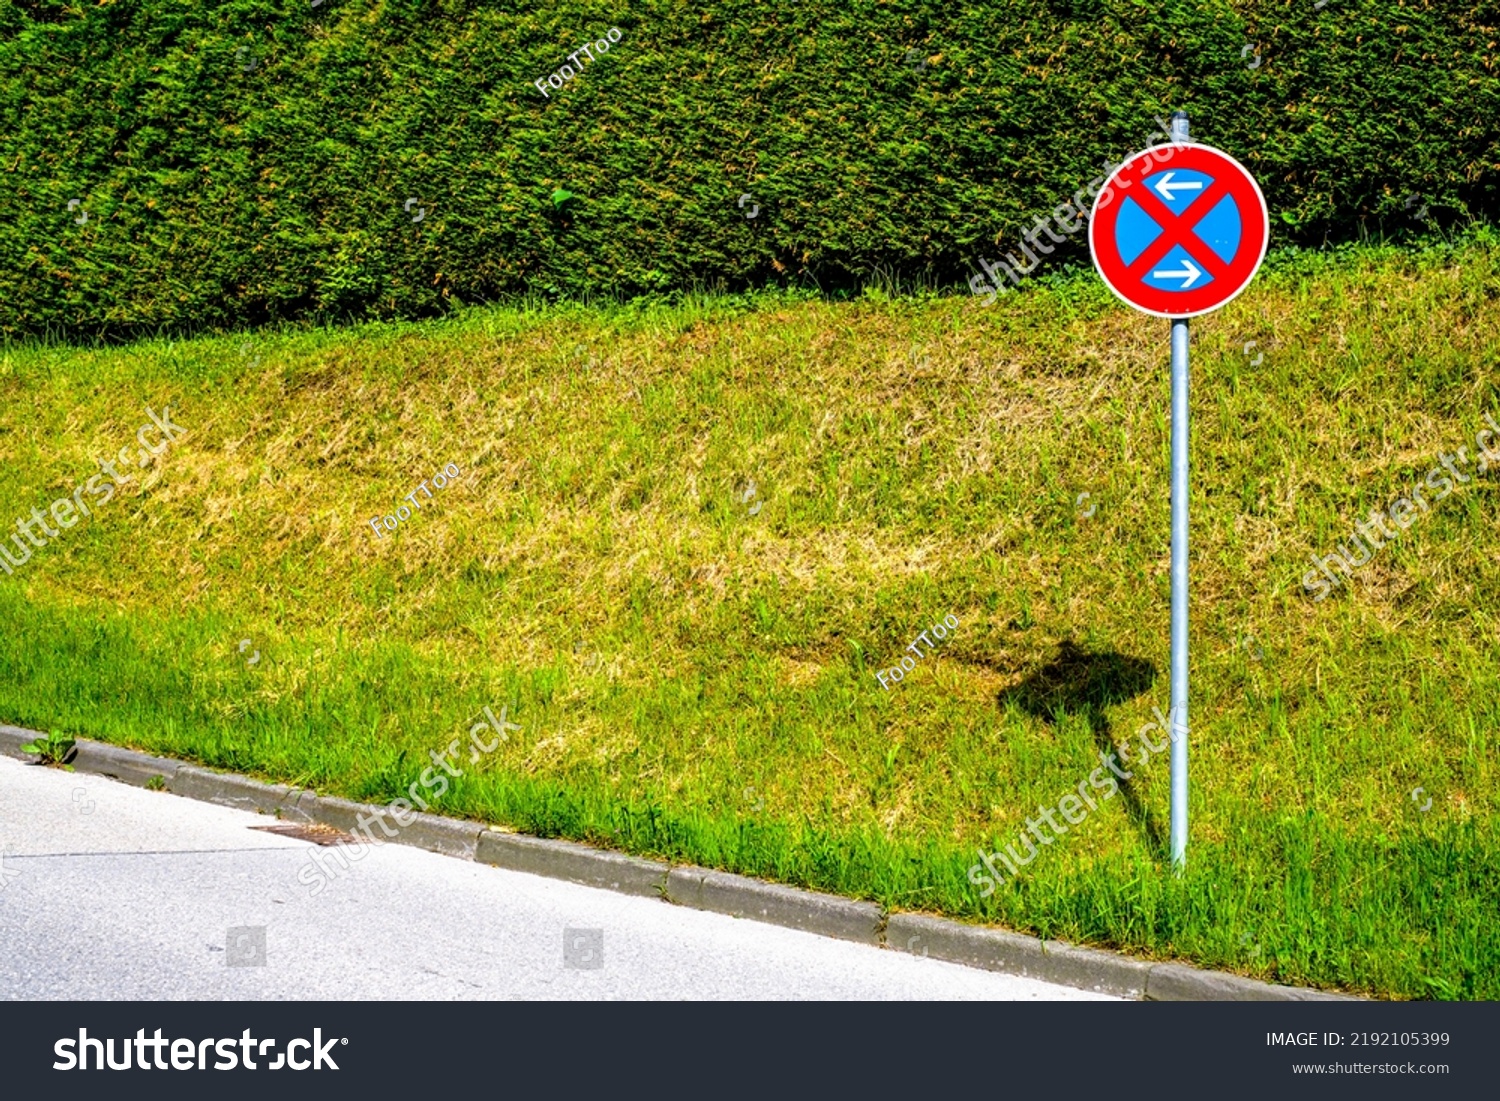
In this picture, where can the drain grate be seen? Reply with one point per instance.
(315, 832)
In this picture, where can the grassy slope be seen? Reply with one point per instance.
(697, 682)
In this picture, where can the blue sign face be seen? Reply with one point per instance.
(1171, 196)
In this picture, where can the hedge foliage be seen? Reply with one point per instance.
(255, 160)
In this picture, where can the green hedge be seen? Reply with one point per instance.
(251, 161)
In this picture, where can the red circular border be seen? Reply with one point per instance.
(1254, 222)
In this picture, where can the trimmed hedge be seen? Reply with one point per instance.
(250, 161)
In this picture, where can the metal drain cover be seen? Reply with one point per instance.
(315, 832)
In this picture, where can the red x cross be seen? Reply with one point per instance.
(1177, 229)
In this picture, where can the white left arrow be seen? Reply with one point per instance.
(1168, 190)
(1188, 274)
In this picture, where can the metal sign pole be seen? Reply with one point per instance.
(1147, 248)
(1178, 716)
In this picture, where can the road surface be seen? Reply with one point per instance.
(109, 891)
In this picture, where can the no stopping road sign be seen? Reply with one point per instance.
(1178, 230)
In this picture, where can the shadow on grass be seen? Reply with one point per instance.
(1083, 682)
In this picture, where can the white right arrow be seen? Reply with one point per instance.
(1167, 189)
(1188, 274)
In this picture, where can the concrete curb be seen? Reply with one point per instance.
(1175, 982)
(230, 790)
(449, 836)
(98, 758)
(12, 738)
(740, 896)
(574, 862)
(699, 888)
(1017, 954)
(1084, 968)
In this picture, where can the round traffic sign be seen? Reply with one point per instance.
(1178, 230)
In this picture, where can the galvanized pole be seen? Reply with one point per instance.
(1178, 716)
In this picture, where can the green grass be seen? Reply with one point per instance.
(697, 682)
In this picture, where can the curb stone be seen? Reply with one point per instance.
(1084, 968)
(230, 790)
(449, 836)
(742, 897)
(1175, 982)
(571, 861)
(100, 758)
(125, 765)
(341, 814)
(1017, 954)
(12, 738)
(699, 888)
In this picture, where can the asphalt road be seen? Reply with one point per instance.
(108, 891)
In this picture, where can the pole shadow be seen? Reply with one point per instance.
(1083, 682)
